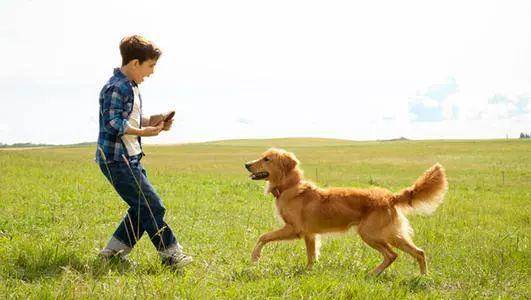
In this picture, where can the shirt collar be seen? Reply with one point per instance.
(119, 74)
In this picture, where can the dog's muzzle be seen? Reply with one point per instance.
(256, 175)
(259, 175)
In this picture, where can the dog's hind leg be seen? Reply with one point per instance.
(374, 231)
(407, 245)
(311, 249)
(388, 254)
(285, 233)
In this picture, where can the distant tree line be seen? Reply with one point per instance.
(22, 145)
(30, 145)
(525, 135)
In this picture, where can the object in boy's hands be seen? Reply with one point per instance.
(154, 120)
(169, 116)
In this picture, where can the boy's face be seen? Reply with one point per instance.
(142, 70)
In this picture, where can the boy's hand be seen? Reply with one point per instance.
(152, 130)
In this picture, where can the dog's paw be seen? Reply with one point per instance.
(375, 273)
(255, 256)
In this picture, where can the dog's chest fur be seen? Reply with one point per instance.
(289, 206)
(282, 209)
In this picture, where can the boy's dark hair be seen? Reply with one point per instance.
(137, 47)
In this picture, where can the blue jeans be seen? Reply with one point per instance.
(146, 211)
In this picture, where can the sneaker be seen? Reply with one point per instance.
(177, 260)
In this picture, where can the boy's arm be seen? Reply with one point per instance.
(112, 112)
(115, 123)
(145, 131)
(145, 121)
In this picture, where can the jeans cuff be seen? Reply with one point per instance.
(118, 246)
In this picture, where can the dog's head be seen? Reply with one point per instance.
(273, 165)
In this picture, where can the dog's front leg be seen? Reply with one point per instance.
(311, 249)
(285, 233)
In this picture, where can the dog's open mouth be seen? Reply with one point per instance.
(259, 175)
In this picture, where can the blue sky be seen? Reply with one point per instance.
(428, 106)
(252, 69)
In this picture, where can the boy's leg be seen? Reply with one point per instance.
(130, 229)
(146, 212)
(159, 232)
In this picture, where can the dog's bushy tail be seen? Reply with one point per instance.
(425, 195)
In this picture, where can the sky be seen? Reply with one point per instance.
(360, 70)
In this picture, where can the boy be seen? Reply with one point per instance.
(120, 151)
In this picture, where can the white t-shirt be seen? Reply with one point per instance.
(131, 141)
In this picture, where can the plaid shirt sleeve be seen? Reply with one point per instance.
(116, 103)
(114, 112)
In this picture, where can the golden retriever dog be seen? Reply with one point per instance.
(379, 214)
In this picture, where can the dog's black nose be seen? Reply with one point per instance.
(248, 167)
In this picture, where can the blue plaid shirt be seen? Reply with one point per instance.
(116, 104)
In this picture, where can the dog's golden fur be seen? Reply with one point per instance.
(379, 215)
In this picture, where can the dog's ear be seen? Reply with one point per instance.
(289, 162)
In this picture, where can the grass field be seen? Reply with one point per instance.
(57, 211)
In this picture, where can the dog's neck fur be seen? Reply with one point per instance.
(293, 178)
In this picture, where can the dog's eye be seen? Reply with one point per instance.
(266, 159)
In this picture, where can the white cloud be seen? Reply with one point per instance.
(430, 102)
